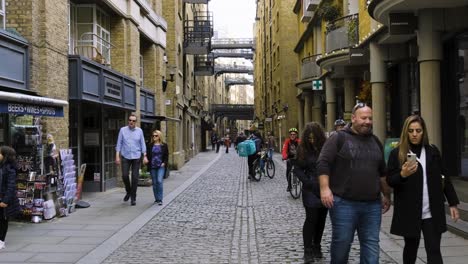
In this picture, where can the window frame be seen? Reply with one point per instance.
(3, 14)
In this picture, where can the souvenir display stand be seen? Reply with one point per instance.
(44, 196)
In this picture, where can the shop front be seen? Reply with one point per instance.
(100, 101)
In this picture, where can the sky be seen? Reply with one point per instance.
(233, 18)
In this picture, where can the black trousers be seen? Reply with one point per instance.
(314, 225)
(3, 224)
(134, 165)
(431, 243)
(288, 172)
(250, 161)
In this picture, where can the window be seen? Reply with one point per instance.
(2, 14)
(90, 32)
(141, 70)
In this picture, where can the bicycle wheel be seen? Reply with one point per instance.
(270, 168)
(296, 186)
(257, 171)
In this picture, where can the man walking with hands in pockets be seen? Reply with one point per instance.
(130, 146)
(352, 177)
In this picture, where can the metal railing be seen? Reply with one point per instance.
(309, 67)
(87, 46)
(342, 33)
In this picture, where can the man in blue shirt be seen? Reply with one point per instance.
(130, 146)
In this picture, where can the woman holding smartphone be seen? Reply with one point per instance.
(415, 172)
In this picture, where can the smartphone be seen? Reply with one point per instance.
(411, 157)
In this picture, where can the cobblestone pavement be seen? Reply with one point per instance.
(225, 218)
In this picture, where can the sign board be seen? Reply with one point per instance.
(261, 125)
(402, 23)
(168, 102)
(30, 109)
(268, 119)
(358, 56)
(317, 85)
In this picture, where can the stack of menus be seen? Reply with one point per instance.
(66, 202)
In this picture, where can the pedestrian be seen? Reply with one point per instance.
(289, 153)
(227, 142)
(419, 192)
(130, 146)
(9, 204)
(339, 125)
(157, 157)
(352, 177)
(51, 155)
(257, 138)
(214, 139)
(305, 168)
(271, 144)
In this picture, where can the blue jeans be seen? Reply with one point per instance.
(157, 178)
(347, 216)
(270, 153)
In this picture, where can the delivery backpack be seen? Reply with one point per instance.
(246, 148)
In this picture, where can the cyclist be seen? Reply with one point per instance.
(270, 142)
(257, 138)
(289, 152)
(339, 125)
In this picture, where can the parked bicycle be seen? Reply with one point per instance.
(296, 185)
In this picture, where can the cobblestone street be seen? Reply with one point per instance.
(225, 218)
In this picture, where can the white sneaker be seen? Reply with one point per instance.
(2, 244)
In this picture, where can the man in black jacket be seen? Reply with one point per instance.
(352, 176)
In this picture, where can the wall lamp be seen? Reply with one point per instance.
(171, 74)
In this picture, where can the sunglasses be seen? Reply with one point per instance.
(358, 106)
(132, 120)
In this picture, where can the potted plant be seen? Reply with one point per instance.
(145, 177)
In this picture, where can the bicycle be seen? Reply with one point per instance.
(257, 168)
(296, 184)
(268, 163)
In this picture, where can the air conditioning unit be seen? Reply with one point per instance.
(310, 5)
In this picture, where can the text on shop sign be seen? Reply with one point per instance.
(27, 109)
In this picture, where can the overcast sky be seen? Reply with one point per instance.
(233, 18)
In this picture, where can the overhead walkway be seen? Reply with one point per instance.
(220, 69)
(237, 81)
(232, 43)
(233, 111)
(246, 54)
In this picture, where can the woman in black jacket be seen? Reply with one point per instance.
(157, 154)
(8, 202)
(419, 191)
(312, 141)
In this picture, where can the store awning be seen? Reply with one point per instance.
(159, 118)
(23, 104)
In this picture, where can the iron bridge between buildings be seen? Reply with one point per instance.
(233, 111)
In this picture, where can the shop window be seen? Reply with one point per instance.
(90, 32)
(2, 14)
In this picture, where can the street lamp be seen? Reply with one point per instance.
(171, 74)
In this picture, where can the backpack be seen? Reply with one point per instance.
(246, 148)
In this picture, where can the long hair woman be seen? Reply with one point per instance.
(420, 186)
(313, 138)
(8, 202)
(158, 154)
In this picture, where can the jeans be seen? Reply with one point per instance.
(3, 224)
(134, 165)
(270, 153)
(314, 225)
(157, 176)
(347, 216)
(288, 172)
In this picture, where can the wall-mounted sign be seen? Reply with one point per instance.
(317, 85)
(30, 109)
(268, 119)
(402, 23)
